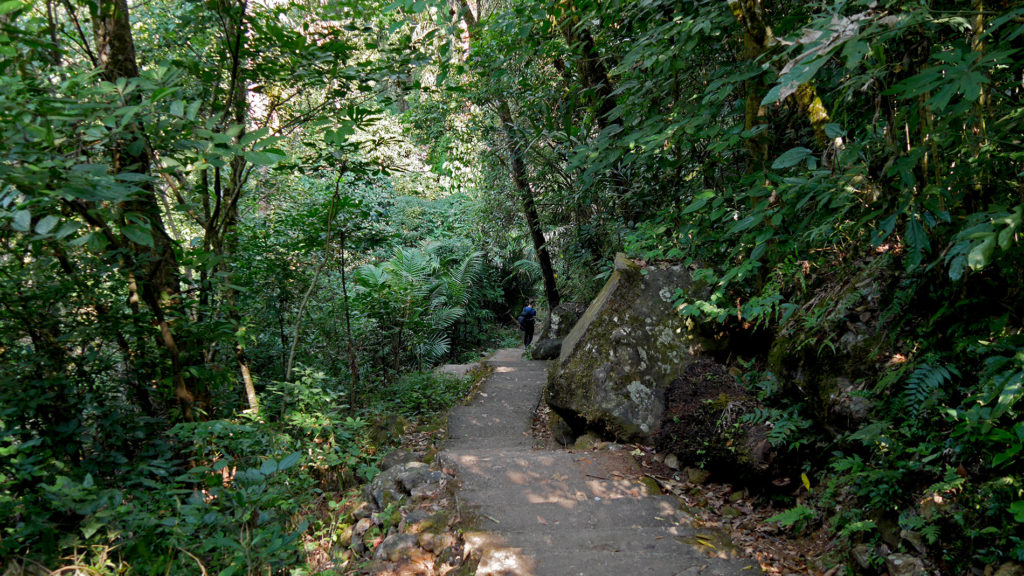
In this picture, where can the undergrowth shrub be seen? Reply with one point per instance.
(422, 393)
(224, 496)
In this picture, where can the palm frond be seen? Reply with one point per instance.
(433, 347)
(527, 270)
(444, 317)
(370, 277)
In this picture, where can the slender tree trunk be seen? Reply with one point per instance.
(309, 291)
(980, 135)
(522, 182)
(250, 389)
(350, 349)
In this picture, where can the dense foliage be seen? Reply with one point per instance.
(846, 177)
(219, 278)
(230, 230)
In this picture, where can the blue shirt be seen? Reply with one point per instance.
(528, 314)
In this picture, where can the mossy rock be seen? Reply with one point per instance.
(621, 355)
(586, 442)
(836, 342)
(653, 488)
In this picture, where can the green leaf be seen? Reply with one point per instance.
(1013, 224)
(854, 51)
(177, 108)
(884, 229)
(268, 467)
(981, 255)
(917, 238)
(1009, 395)
(91, 526)
(264, 158)
(289, 461)
(789, 82)
(66, 229)
(791, 157)
(22, 221)
(161, 93)
(11, 6)
(1017, 509)
(699, 201)
(1009, 453)
(46, 224)
(746, 223)
(138, 234)
(253, 136)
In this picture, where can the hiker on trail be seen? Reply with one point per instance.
(526, 320)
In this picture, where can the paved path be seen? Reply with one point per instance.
(558, 512)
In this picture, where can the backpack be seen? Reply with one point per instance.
(520, 320)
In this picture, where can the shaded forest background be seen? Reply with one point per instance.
(237, 235)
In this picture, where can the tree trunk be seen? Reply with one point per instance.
(305, 298)
(590, 66)
(350, 349)
(153, 270)
(593, 75)
(522, 182)
(757, 40)
(250, 389)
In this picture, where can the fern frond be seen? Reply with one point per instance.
(925, 386)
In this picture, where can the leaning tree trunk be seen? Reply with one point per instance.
(522, 183)
(520, 179)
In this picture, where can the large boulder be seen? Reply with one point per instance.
(556, 327)
(825, 353)
(620, 356)
(546, 349)
(703, 424)
(562, 318)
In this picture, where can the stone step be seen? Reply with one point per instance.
(570, 513)
(615, 554)
(556, 512)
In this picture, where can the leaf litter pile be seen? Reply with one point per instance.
(725, 518)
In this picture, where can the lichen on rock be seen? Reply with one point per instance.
(629, 345)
